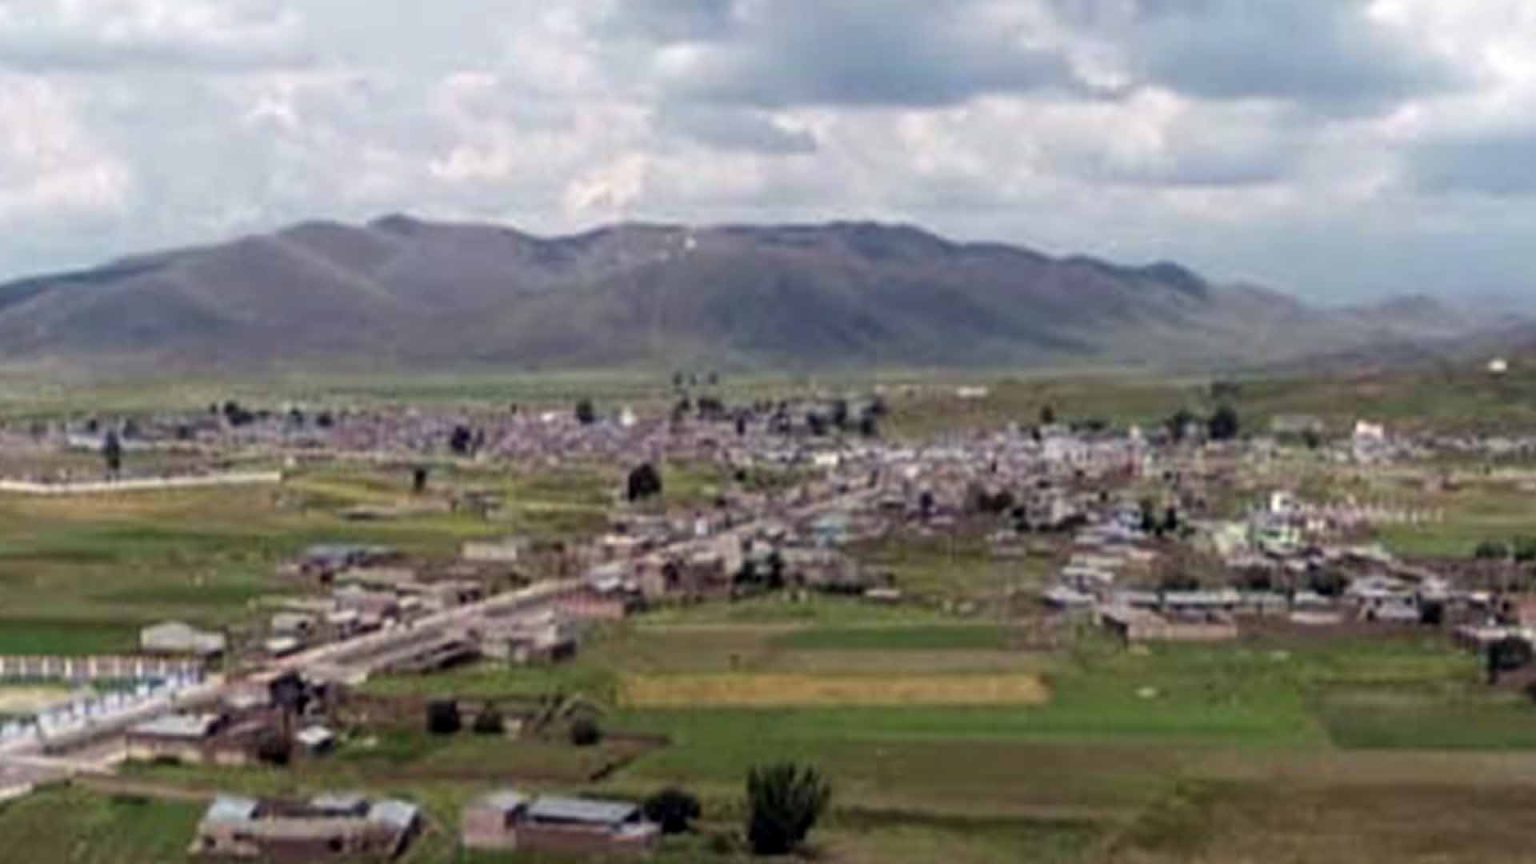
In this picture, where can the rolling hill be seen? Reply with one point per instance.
(405, 293)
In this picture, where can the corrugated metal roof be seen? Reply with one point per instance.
(554, 809)
(231, 808)
(396, 814)
(178, 726)
(339, 802)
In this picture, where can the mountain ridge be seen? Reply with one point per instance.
(424, 294)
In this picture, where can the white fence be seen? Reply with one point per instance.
(142, 484)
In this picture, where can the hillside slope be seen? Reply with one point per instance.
(401, 292)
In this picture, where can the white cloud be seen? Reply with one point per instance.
(107, 34)
(49, 168)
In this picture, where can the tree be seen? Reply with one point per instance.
(443, 717)
(112, 452)
(673, 809)
(1491, 550)
(774, 577)
(274, 748)
(840, 413)
(585, 732)
(236, 415)
(1327, 581)
(869, 425)
(586, 415)
(462, 440)
(643, 482)
(784, 800)
(1170, 520)
(1223, 424)
(1523, 549)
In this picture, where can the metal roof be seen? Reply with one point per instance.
(312, 736)
(178, 726)
(339, 802)
(554, 809)
(396, 814)
(231, 808)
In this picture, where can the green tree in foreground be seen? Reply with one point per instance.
(784, 800)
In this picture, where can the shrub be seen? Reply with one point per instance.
(489, 722)
(673, 809)
(585, 732)
(443, 717)
(274, 748)
(1491, 550)
(784, 800)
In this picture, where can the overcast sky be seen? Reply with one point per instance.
(1333, 148)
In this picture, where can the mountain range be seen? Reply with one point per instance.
(404, 293)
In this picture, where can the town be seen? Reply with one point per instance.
(398, 631)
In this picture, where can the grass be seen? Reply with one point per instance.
(67, 637)
(79, 574)
(1428, 719)
(71, 826)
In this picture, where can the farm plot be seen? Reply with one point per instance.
(778, 690)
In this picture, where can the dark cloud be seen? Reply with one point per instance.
(1326, 54)
(735, 129)
(1497, 165)
(851, 52)
(672, 20)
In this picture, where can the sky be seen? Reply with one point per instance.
(1336, 149)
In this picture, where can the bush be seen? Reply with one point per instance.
(673, 809)
(585, 732)
(1524, 549)
(443, 717)
(784, 801)
(643, 482)
(1491, 550)
(1223, 425)
(274, 748)
(489, 722)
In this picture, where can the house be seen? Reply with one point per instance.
(180, 638)
(212, 738)
(328, 827)
(508, 820)
(534, 639)
(324, 560)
